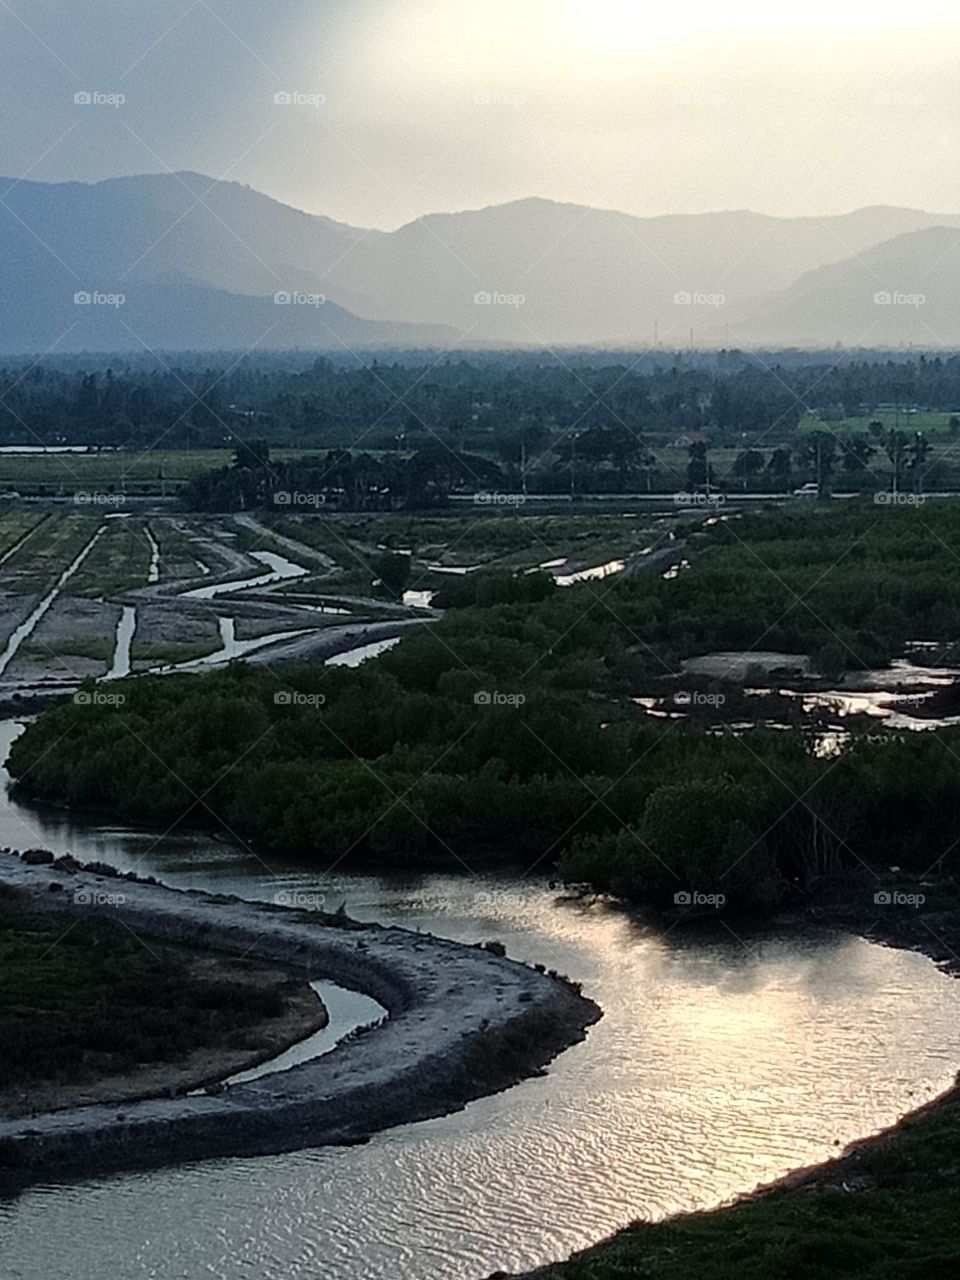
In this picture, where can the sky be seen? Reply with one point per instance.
(375, 112)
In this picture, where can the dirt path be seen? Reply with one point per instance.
(298, 550)
(331, 641)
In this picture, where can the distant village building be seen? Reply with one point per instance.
(689, 438)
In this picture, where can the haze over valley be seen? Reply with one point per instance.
(199, 265)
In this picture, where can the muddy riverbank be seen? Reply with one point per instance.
(463, 1022)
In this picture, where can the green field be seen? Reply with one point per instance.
(515, 541)
(928, 423)
(163, 473)
(14, 526)
(100, 651)
(119, 562)
(155, 471)
(36, 565)
(169, 654)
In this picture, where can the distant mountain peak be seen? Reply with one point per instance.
(528, 271)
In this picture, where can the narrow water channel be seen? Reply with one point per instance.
(120, 666)
(153, 572)
(279, 569)
(231, 647)
(363, 653)
(347, 1012)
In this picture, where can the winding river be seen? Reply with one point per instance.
(719, 1063)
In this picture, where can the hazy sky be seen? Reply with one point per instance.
(408, 106)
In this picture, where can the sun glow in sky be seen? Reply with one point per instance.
(426, 43)
(630, 25)
(810, 106)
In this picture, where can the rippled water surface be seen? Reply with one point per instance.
(719, 1063)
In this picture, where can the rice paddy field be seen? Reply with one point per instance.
(135, 472)
(905, 420)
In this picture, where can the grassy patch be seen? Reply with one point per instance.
(164, 654)
(94, 650)
(929, 423)
(83, 1001)
(119, 562)
(513, 539)
(36, 566)
(14, 525)
(150, 471)
(180, 552)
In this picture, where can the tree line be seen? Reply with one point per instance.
(507, 404)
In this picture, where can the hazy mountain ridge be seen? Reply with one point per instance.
(196, 258)
(196, 269)
(904, 290)
(602, 276)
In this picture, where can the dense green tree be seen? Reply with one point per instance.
(393, 571)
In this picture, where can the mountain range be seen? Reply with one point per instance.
(184, 262)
